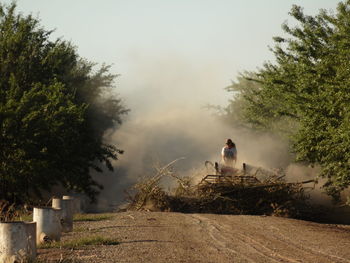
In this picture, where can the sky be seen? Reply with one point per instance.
(186, 51)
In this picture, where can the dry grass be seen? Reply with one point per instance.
(11, 212)
(61, 260)
(8, 212)
(92, 217)
(81, 243)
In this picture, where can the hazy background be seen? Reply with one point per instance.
(174, 57)
(205, 41)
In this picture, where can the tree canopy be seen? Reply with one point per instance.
(54, 110)
(305, 92)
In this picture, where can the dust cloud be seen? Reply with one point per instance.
(300, 173)
(168, 121)
(159, 137)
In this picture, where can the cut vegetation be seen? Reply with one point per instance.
(235, 194)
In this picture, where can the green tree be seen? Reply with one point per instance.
(307, 89)
(54, 111)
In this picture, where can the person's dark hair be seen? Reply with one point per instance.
(229, 142)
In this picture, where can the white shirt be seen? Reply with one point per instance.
(228, 154)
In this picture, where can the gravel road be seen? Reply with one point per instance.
(176, 237)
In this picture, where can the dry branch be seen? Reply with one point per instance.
(240, 194)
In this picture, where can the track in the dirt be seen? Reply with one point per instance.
(247, 241)
(177, 237)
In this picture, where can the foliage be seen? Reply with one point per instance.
(307, 89)
(242, 109)
(54, 111)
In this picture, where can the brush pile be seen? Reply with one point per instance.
(239, 194)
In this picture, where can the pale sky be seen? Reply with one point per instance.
(188, 50)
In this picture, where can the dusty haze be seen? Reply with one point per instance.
(167, 121)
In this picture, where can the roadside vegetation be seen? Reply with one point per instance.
(55, 108)
(304, 94)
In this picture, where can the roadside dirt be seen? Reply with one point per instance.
(176, 237)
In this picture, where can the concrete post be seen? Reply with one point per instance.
(31, 234)
(76, 203)
(48, 224)
(17, 242)
(67, 212)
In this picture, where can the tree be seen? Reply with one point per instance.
(308, 89)
(54, 111)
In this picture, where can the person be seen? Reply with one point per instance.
(229, 154)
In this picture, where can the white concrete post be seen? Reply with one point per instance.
(67, 212)
(76, 203)
(48, 224)
(17, 242)
(31, 234)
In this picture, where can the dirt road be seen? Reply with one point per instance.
(176, 237)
